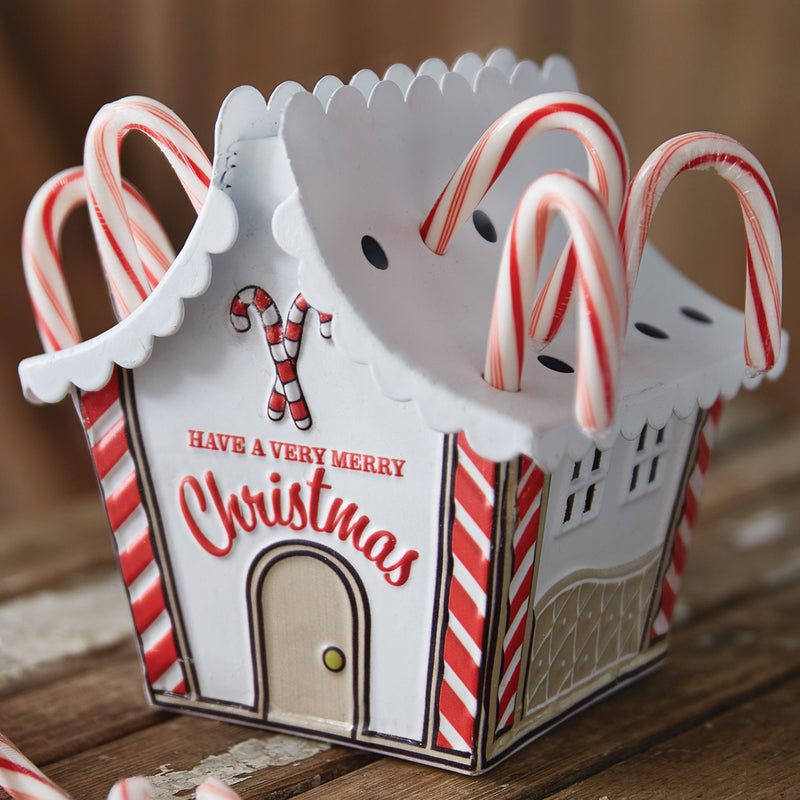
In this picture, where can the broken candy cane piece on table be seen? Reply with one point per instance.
(608, 173)
(600, 275)
(741, 169)
(41, 252)
(127, 278)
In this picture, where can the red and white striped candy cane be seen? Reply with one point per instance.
(287, 385)
(131, 789)
(215, 789)
(22, 779)
(295, 320)
(600, 276)
(41, 251)
(571, 111)
(742, 170)
(128, 280)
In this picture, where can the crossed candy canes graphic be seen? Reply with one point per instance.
(284, 347)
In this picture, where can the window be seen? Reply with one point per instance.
(647, 462)
(584, 490)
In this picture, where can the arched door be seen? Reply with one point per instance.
(309, 620)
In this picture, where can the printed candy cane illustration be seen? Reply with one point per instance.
(600, 276)
(741, 169)
(295, 320)
(284, 347)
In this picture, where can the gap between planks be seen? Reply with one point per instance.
(726, 659)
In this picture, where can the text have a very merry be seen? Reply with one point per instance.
(289, 451)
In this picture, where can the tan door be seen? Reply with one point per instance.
(308, 641)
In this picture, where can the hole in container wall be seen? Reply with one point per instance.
(650, 330)
(484, 226)
(556, 364)
(696, 315)
(374, 253)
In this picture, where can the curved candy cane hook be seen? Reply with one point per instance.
(41, 251)
(601, 280)
(128, 280)
(571, 111)
(741, 169)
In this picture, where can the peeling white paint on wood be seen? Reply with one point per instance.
(236, 764)
(48, 626)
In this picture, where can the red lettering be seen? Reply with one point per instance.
(276, 448)
(383, 466)
(344, 520)
(243, 511)
(316, 485)
(319, 453)
(305, 454)
(223, 439)
(369, 464)
(191, 482)
(339, 459)
(238, 444)
(291, 452)
(398, 466)
(403, 565)
(195, 438)
(257, 450)
(210, 443)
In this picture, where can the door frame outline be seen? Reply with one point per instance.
(359, 606)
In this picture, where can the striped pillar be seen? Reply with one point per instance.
(104, 421)
(474, 499)
(529, 496)
(683, 533)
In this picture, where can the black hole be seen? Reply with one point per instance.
(697, 316)
(568, 509)
(596, 462)
(587, 506)
(642, 439)
(482, 223)
(374, 253)
(653, 469)
(576, 470)
(634, 477)
(650, 330)
(556, 364)
(660, 436)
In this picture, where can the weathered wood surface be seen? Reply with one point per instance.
(719, 719)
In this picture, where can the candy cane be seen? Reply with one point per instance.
(295, 320)
(22, 779)
(601, 279)
(287, 385)
(760, 211)
(128, 280)
(41, 252)
(215, 789)
(131, 789)
(589, 121)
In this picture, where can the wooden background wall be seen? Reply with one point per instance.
(660, 68)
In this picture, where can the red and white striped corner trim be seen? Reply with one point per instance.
(683, 533)
(529, 497)
(103, 419)
(473, 520)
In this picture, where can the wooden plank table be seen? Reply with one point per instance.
(721, 719)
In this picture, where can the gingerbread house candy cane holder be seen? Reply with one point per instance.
(326, 520)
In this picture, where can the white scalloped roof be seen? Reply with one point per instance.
(370, 158)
